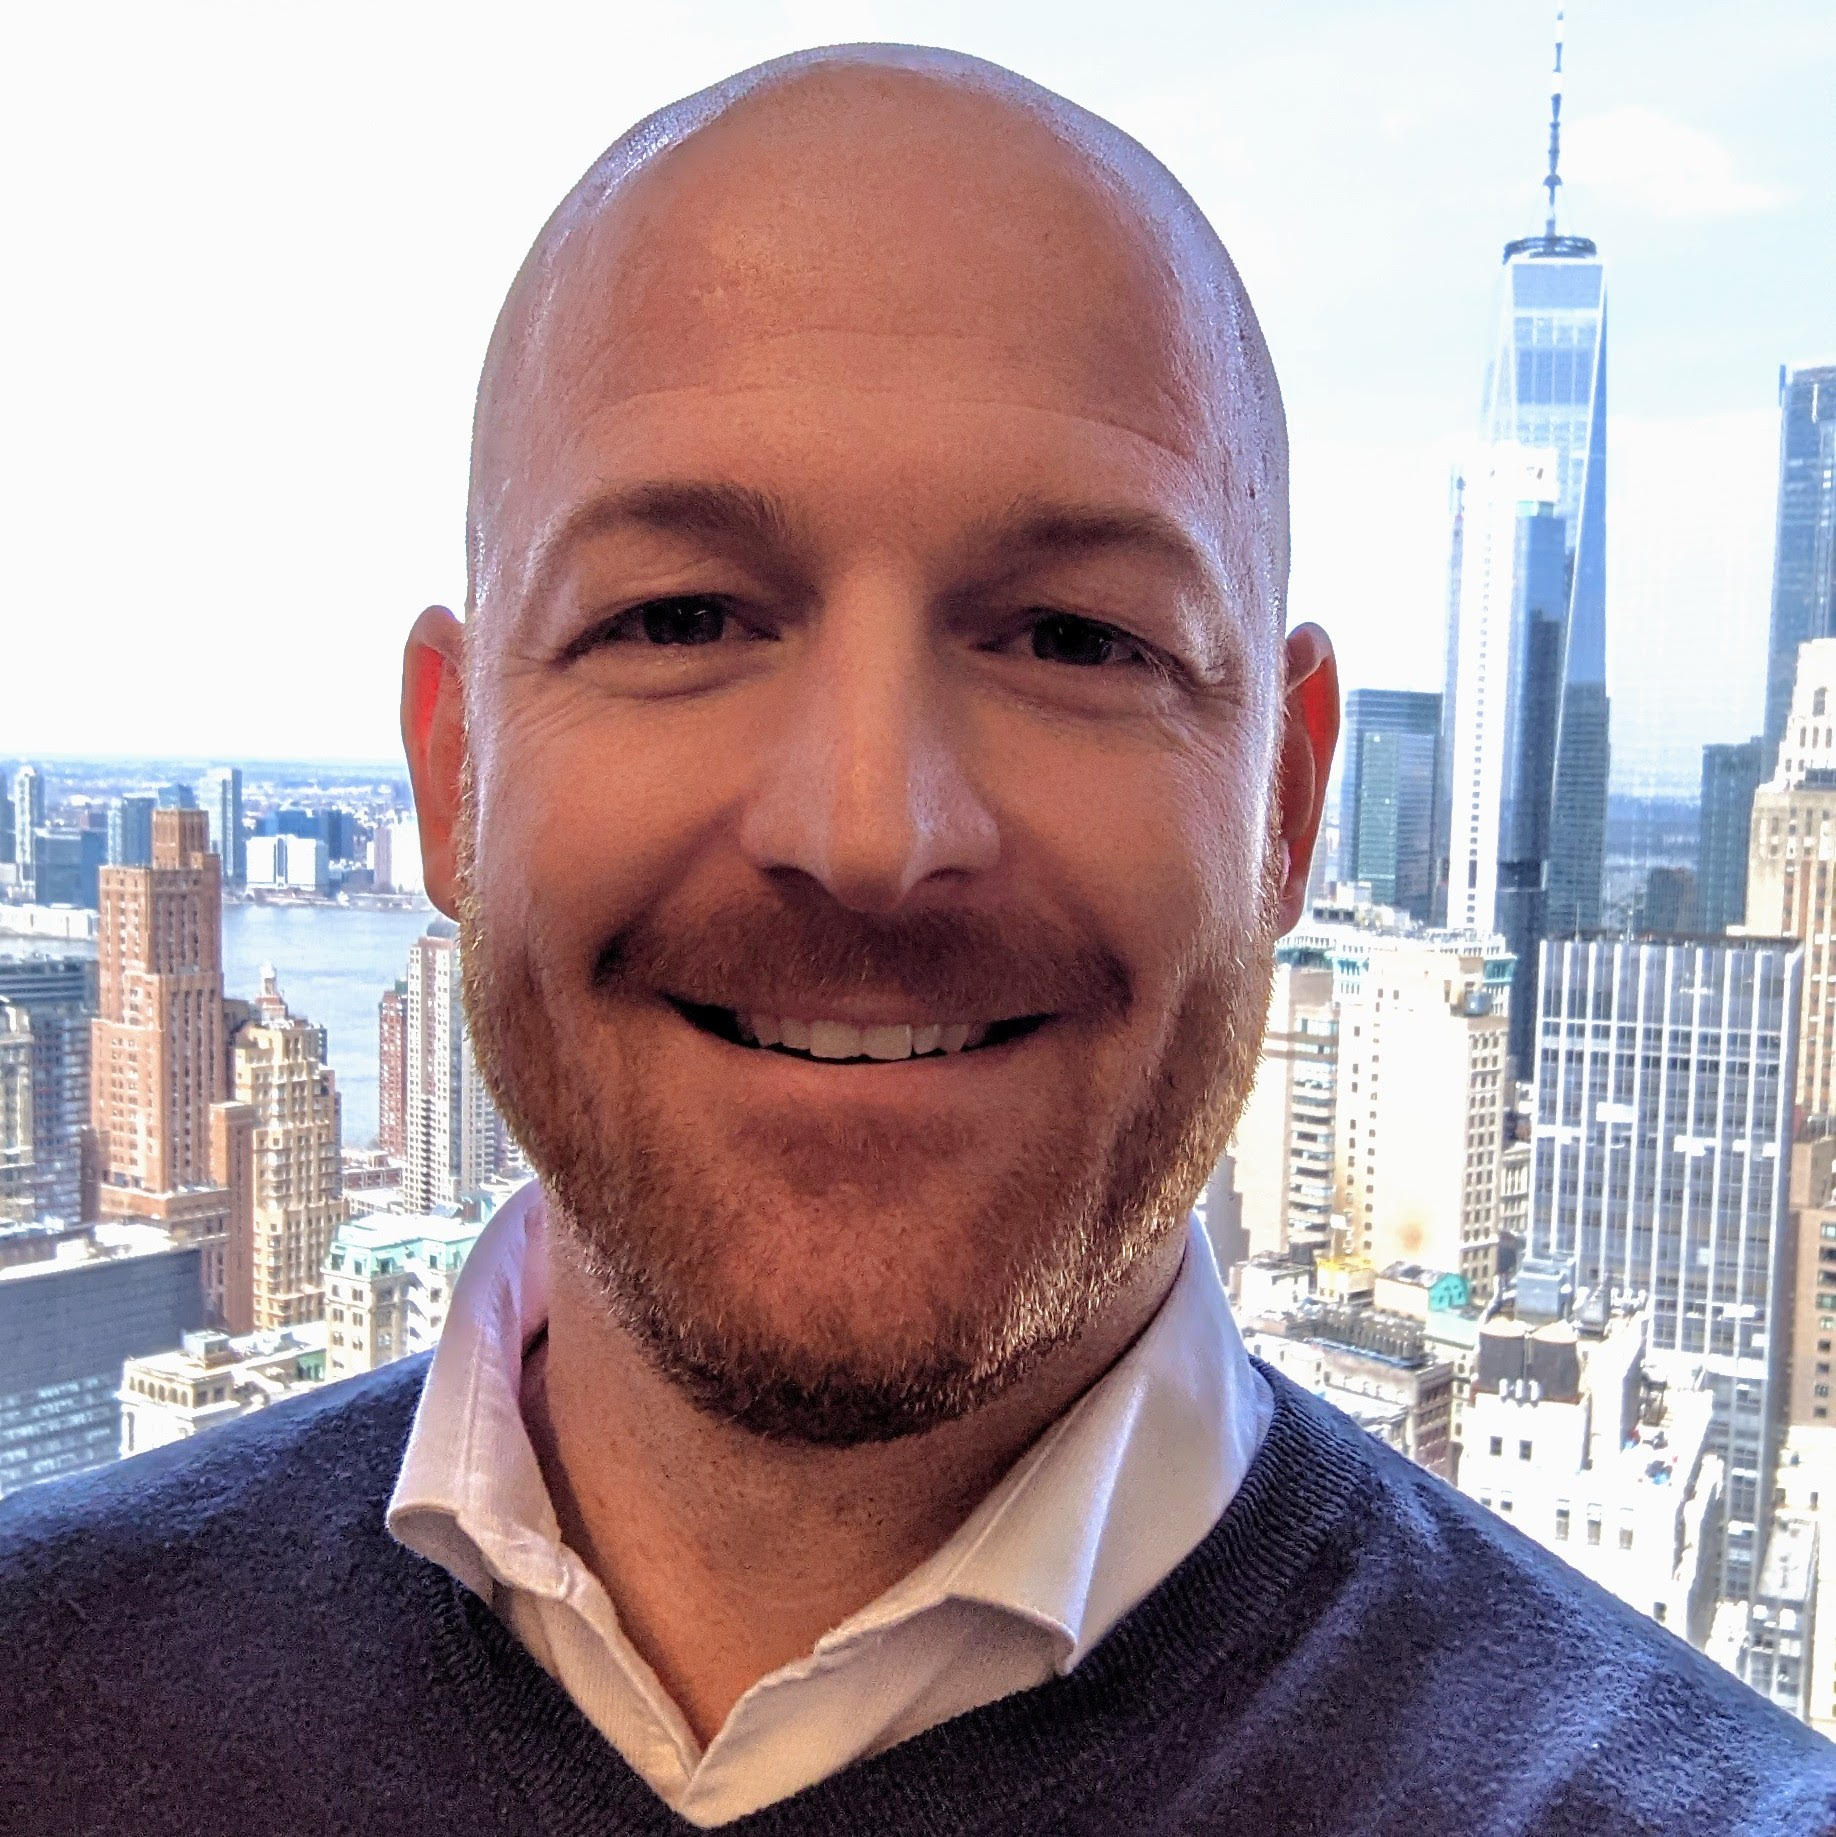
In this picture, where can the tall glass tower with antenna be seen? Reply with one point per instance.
(1527, 734)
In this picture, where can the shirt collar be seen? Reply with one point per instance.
(1097, 1512)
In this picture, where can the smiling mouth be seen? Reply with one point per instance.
(843, 1043)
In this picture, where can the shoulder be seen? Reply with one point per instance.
(237, 1553)
(1445, 1621)
(330, 1454)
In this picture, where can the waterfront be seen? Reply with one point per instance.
(334, 962)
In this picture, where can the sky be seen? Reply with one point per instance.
(254, 253)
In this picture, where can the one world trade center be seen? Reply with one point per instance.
(1524, 780)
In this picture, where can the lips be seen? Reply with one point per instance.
(841, 1041)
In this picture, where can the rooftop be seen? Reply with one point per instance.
(213, 1353)
(401, 1230)
(105, 1242)
(1789, 1573)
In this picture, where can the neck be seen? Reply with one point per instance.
(728, 1556)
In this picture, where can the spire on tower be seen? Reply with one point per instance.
(1553, 179)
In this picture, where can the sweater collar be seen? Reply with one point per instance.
(1091, 1518)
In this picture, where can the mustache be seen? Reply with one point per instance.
(799, 946)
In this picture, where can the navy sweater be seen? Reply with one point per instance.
(222, 1637)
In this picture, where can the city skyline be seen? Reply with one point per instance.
(1683, 138)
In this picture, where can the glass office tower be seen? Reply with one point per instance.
(1527, 644)
(1804, 553)
(1386, 795)
(1660, 1167)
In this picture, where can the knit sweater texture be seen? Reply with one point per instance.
(221, 1637)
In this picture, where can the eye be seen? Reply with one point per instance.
(1063, 637)
(689, 620)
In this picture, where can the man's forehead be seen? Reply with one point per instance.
(891, 208)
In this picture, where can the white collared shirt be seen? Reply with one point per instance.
(1089, 1521)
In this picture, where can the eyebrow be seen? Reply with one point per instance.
(1032, 528)
(760, 528)
(749, 522)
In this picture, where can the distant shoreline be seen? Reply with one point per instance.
(357, 902)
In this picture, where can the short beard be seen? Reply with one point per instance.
(650, 1224)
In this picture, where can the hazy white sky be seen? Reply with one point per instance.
(253, 254)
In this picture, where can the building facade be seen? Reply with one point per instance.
(1424, 1082)
(130, 831)
(73, 1306)
(1282, 1149)
(18, 1151)
(1730, 776)
(28, 819)
(455, 1140)
(1388, 748)
(395, 856)
(158, 1064)
(1804, 547)
(1375, 1367)
(1792, 856)
(1569, 1437)
(57, 993)
(210, 1378)
(392, 1072)
(279, 1071)
(1660, 1163)
(221, 793)
(388, 1286)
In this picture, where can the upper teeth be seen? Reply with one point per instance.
(839, 1040)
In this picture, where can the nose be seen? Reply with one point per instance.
(864, 788)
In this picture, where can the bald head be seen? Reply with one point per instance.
(848, 217)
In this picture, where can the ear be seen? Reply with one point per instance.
(433, 733)
(1310, 731)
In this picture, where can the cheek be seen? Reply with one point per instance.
(588, 813)
(1157, 840)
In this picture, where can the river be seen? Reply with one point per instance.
(334, 963)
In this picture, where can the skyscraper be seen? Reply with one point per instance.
(392, 1071)
(1386, 796)
(455, 1138)
(18, 1151)
(170, 1146)
(1730, 776)
(298, 1202)
(1804, 551)
(130, 831)
(1282, 1148)
(1528, 729)
(222, 796)
(28, 817)
(58, 995)
(1660, 1167)
(1792, 841)
(1422, 1094)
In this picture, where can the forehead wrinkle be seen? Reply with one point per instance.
(1231, 381)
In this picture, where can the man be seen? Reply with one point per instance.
(869, 781)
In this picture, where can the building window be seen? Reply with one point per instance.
(1593, 1527)
(1561, 1524)
(1498, 1444)
(1625, 1537)
(1523, 1451)
(1659, 1612)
